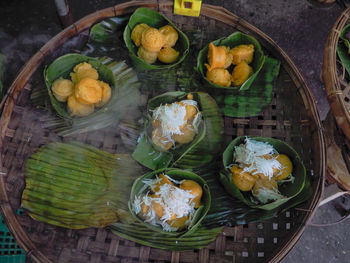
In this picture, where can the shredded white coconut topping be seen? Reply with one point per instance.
(172, 116)
(251, 156)
(174, 201)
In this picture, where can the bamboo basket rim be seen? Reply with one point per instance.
(210, 11)
(333, 86)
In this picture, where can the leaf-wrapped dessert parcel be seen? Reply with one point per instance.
(168, 206)
(153, 41)
(262, 172)
(76, 186)
(182, 130)
(170, 200)
(237, 74)
(240, 50)
(89, 93)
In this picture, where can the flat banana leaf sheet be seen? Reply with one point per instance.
(75, 185)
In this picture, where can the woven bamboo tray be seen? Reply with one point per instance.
(338, 94)
(291, 117)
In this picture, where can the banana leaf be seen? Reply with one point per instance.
(288, 190)
(194, 154)
(244, 103)
(157, 20)
(343, 48)
(233, 40)
(179, 175)
(227, 210)
(105, 31)
(139, 233)
(125, 94)
(74, 185)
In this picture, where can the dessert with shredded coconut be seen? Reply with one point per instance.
(167, 202)
(257, 167)
(175, 123)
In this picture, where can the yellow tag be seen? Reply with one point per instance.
(187, 7)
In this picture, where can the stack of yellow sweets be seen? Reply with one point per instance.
(83, 92)
(220, 58)
(155, 43)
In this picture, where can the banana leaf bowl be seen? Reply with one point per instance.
(156, 20)
(200, 151)
(118, 75)
(178, 175)
(234, 228)
(288, 190)
(61, 68)
(231, 41)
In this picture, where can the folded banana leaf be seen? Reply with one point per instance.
(74, 185)
(289, 190)
(125, 94)
(233, 40)
(200, 151)
(227, 210)
(156, 20)
(244, 103)
(178, 175)
(343, 48)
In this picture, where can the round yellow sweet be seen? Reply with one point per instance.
(161, 141)
(147, 56)
(243, 180)
(242, 53)
(136, 33)
(219, 76)
(287, 167)
(62, 89)
(241, 73)
(170, 34)
(106, 93)
(168, 55)
(179, 223)
(88, 91)
(152, 39)
(78, 109)
(262, 184)
(195, 189)
(216, 57)
(188, 134)
(83, 70)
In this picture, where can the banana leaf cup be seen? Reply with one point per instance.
(176, 174)
(62, 67)
(289, 190)
(156, 20)
(201, 150)
(231, 41)
(124, 86)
